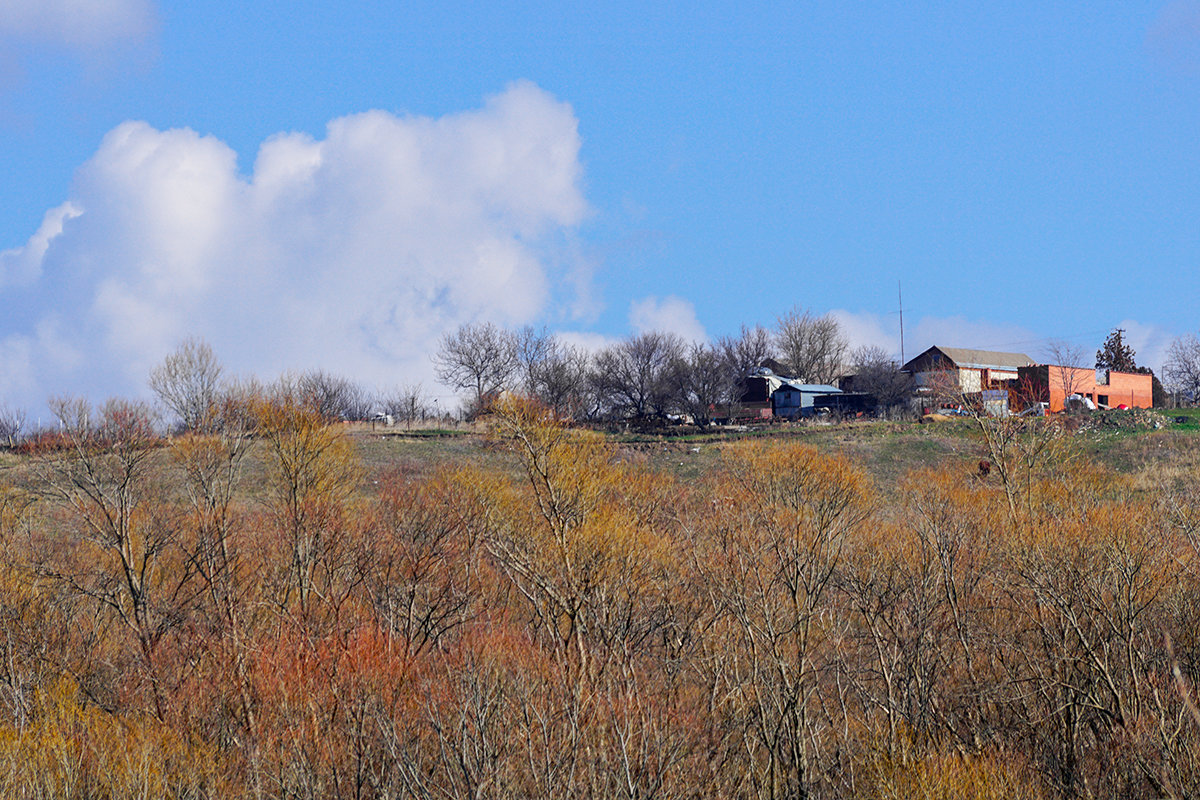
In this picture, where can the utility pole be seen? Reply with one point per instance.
(900, 296)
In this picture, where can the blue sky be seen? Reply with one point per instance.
(1027, 171)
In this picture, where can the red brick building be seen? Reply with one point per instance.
(1052, 384)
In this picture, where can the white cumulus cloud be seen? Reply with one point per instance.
(353, 252)
(669, 315)
(864, 329)
(1149, 342)
(22, 265)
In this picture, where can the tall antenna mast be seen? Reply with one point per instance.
(900, 296)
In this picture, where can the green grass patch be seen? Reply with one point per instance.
(423, 433)
(1183, 419)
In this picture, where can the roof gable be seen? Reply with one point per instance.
(966, 358)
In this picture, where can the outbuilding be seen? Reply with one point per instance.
(791, 400)
(965, 371)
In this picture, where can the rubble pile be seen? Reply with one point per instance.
(1122, 419)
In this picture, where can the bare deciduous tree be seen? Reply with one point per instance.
(749, 349)
(633, 376)
(187, 382)
(406, 404)
(12, 422)
(702, 382)
(561, 381)
(813, 348)
(122, 536)
(210, 465)
(534, 348)
(879, 375)
(311, 473)
(773, 563)
(1182, 367)
(553, 372)
(480, 358)
(1072, 359)
(331, 396)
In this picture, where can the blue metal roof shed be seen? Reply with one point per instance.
(796, 399)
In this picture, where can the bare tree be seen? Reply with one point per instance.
(12, 422)
(1020, 451)
(210, 465)
(405, 403)
(122, 537)
(749, 349)
(813, 348)
(552, 372)
(187, 382)
(744, 353)
(633, 376)
(879, 375)
(480, 358)
(1072, 377)
(702, 382)
(331, 396)
(560, 380)
(1182, 367)
(774, 562)
(533, 348)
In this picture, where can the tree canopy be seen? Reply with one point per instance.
(1115, 354)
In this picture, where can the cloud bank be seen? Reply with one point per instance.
(77, 23)
(352, 253)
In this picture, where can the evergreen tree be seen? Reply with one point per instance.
(1115, 354)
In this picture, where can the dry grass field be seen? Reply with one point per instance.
(885, 450)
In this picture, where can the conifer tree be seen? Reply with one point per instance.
(1115, 354)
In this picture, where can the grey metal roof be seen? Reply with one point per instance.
(812, 388)
(978, 359)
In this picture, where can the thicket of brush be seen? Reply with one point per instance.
(780, 628)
